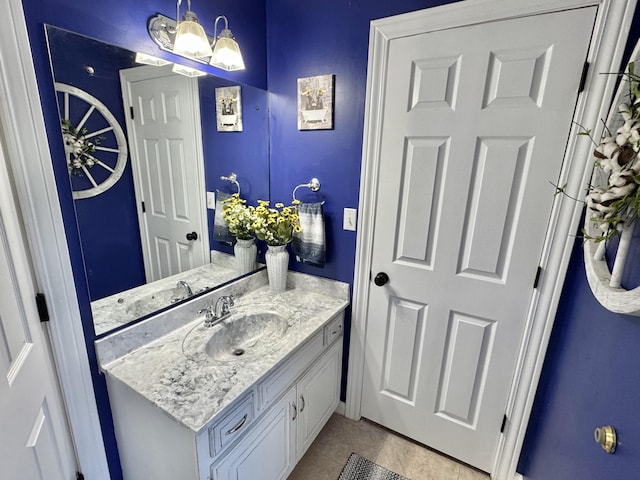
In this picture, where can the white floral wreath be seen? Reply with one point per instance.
(615, 201)
(79, 150)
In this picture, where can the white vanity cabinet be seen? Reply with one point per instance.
(261, 434)
(289, 426)
(267, 452)
(318, 395)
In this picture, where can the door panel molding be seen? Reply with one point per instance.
(605, 53)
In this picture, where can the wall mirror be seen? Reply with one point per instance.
(123, 184)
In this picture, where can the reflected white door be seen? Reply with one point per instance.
(166, 156)
(476, 120)
(34, 439)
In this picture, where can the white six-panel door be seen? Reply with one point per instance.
(35, 442)
(475, 124)
(166, 153)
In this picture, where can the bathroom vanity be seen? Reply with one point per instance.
(241, 400)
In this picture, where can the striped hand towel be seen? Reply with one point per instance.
(309, 244)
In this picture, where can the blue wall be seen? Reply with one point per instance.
(590, 378)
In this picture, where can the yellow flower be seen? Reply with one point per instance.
(238, 216)
(275, 225)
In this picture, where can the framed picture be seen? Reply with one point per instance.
(229, 109)
(315, 103)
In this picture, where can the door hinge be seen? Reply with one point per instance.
(144, 209)
(537, 279)
(583, 77)
(131, 112)
(41, 304)
(79, 476)
(504, 423)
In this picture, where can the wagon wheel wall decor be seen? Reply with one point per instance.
(94, 142)
(615, 179)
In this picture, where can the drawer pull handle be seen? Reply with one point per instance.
(238, 426)
(302, 407)
(295, 411)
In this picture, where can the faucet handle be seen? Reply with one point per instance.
(226, 301)
(208, 311)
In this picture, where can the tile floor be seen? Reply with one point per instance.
(340, 437)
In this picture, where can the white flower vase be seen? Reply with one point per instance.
(245, 254)
(277, 259)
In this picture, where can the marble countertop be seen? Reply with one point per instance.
(121, 308)
(174, 372)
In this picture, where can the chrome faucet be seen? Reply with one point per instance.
(186, 286)
(218, 311)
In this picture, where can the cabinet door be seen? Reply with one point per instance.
(268, 451)
(318, 396)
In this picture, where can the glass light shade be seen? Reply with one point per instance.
(226, 53)
(191, 40)
(150, 60)
(186, 71)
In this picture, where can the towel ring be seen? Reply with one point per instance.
(233, 178)
(313, 185)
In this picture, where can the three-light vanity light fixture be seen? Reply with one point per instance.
(187, 38)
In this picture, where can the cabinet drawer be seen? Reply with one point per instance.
(280, 380)
(232, 425)
(333, 330)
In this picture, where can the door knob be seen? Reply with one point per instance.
(192, 236)
(381, 279)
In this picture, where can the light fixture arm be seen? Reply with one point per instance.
(187, 13)
(215, 28)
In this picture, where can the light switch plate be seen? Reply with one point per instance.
(349, 219)
(211, 200)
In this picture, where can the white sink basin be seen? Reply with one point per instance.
(245, 336)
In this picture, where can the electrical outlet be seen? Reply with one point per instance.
(349, 219)
(211, 200)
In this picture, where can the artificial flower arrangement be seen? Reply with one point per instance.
(273, 225)
(615, 200)
(239, 217)
(276, 225)
(79, 150)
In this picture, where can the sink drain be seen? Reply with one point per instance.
(238, 351)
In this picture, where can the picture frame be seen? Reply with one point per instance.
(315, 102)
(229, 109)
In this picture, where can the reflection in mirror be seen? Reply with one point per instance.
(142, 150)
